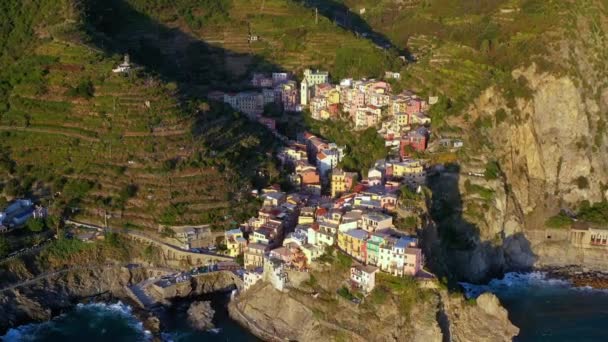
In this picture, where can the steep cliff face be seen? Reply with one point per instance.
(279, 316)
(548, 138)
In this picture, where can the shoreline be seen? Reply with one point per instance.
(579, 276)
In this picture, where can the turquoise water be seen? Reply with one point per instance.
(116, 323)
(548, 309)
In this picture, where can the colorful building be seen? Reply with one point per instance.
(416, 140)
(353, 243)
(253, 256)
(235, 242)
(407, 167)
(374, 221)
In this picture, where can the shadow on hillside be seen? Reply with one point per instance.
(342, 16)
(454, 244)
(176, 56)
(195, 68)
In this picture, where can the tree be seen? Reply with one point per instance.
(406, 193)
(36, 225)
(240, 259)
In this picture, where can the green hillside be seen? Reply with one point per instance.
(128, 145)
(148, 148)
(205, 43)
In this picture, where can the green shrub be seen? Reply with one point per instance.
(343, 260)
(404, 289)
(500, 115)
(485, 193)
(406, 194)
(84, 89)
(492, 170)
(560, 220)
(596, 213)
(172, 213)
(35, 225)
(64, 248)
(345, 293)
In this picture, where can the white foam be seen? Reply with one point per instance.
(28, 332)
(514, 281)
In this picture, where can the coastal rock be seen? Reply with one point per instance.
(489, 304)
(485, 320)
(549, 142)
(200, 315)
(292, 315)
(58, 291)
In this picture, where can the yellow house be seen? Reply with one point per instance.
(338, 182)
(235, 242)
(342, 240)
(333, 97)
(402, 119)
(407, 167)
(354, 243)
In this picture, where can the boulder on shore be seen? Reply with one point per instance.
(200, 315)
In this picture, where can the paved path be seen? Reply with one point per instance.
(139, 290)
(29, 250)
(140, 234)
(54, 273)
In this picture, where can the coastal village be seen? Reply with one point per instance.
(333, 209)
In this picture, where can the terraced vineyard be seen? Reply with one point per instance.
(289, 37)
(129, 132)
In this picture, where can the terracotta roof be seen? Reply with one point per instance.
(321, 211)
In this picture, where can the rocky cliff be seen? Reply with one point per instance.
(41, 299)
(280, 316)
(546, 133)
(48, 295)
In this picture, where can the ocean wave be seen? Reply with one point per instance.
(93, 314)
(513, 282)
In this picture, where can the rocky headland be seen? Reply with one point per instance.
(282, 316)
(54, 293)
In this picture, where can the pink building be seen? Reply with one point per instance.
(413, 261)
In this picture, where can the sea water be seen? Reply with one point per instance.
(86, 322)
(115, 322)
(549, 309)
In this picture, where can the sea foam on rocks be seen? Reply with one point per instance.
(513, 281)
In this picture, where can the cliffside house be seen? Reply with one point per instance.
(363, 277)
